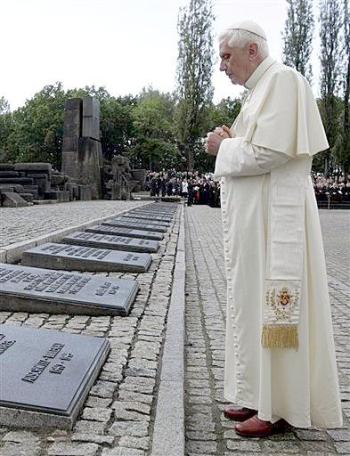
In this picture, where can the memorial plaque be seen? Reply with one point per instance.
(136, 225)
(46, 375)
(107, 241)
(125, 232)
(157, 207)
(160, 213)
(142, 216)
(70, 257)
(26, 289)
(131, 218)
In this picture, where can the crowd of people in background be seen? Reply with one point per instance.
(196, 188)
(332, 190)
(201, 188)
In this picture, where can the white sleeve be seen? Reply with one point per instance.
(239, 158)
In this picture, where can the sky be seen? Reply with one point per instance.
(123, 45)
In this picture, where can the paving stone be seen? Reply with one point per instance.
(129, 428)
(34, 221)
(99, 439)
(205, 330)
(342, 447)
(89, 427)
(141, 443)
(125, 395)
(73, 449)
(340, 435)
(97, 414)
(19, 449)
(133, 406)
(103, 389)
(95, 401)
(199, 447)
(20, 437)
(198, 435)
(123, 451)
(317, 446)
(243, 445)
(310, 434)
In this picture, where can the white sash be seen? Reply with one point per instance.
(285, 254)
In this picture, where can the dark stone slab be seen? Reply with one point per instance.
(158, 207)
(156, 212)
(34, 189)
(142, 216)
(26, 289)
(69, 257)
(72, 120)
(125, 232)
(9, 174)
(12, 199)
(85, 193)
(14, 187)
(37, 175)
(135, 225)
(90, 164)
(27, 197)
(107, 241)
(16, 180)
(42, 182)
(46, 375)
(34, 167)
(62, 196)
(91, 118)
(7, 167)
(148, 221)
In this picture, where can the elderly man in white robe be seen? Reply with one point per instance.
(280, 364)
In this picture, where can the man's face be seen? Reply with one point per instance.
(235, 63)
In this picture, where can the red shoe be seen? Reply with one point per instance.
(238, 414)
(254, 427)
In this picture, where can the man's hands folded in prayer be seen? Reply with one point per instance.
(214, 139)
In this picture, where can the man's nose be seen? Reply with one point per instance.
(222, 66)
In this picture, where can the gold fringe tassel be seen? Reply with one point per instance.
(283, 336)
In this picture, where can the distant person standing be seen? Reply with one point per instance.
(184, 188)
(190, 193)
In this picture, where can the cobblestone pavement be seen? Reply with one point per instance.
(117, 418)
(208, 432)
(25, 223)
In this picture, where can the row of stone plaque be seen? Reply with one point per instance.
(35, 286)
(46, 375)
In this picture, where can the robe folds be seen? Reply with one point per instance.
(272, 238)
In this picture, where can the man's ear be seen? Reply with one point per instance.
(252, 51)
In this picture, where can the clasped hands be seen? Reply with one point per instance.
(214, 139)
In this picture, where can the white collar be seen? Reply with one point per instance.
(259, 71)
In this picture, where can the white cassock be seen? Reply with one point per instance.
(274, 254)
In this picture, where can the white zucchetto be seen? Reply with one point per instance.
(249, 26)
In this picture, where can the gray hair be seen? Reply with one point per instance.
(241, 38)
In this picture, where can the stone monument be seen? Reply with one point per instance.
(119, 179)
(81, 149)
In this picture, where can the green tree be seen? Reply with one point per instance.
(298, 35)
(4, 106)
(194, 72)
(331, 59)
(5, 128)
(153, 145)
(38, 127)
(224, 113)
(342, 146)
(116, 126)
